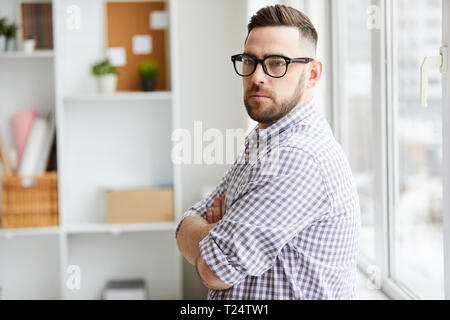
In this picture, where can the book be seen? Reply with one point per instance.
(47, 144)
(30, 164)
(22, 124)
(37, 23)
(52, 163)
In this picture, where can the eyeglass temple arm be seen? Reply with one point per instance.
(302, 60)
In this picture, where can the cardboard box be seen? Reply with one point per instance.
(136, 206)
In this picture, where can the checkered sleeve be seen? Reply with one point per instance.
(268, 212)
(199, 209)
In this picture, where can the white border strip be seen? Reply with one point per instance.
(446, 147)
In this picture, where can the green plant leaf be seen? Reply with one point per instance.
(3, 23)
(103, 67)
(10, 30)
(148, 69)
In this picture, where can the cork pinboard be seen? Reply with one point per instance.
(124, 20)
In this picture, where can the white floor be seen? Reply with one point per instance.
(364, 290)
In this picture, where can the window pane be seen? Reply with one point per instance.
(356, 116)
(417, 251)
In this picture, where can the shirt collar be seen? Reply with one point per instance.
(295, 116)
(258, 139)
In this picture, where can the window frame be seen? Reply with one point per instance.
(446, 147)
(384, 149)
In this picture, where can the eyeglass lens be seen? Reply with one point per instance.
(275, 66)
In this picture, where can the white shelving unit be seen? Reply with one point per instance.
(37, 54)
(119, 228)
(12, 233)
(121, 96)
(121, 140)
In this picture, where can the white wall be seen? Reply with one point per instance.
(208, 33)
(319, 13)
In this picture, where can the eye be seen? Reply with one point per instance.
(276, 62)
(248, 61)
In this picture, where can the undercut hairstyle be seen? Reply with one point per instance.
(281, 15)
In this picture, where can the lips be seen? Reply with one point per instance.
(259, 96)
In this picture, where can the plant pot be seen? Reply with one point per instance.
(10, 44)
(148, 84)
(29, 45)
(107, 83)
(2, 43)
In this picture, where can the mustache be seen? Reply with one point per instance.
(256, 89)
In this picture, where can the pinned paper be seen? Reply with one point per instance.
(117, 56)
(158, 20)
(142, 44)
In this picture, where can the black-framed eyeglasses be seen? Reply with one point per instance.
(274, 66)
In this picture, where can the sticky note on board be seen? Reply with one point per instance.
(117, 56)
(158, 20)
(142, 44)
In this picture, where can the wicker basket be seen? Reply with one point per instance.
(29, 202)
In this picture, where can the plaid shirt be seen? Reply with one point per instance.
(291, 223)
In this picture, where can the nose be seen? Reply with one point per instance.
(259, 76)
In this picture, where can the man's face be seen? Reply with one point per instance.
(269, 99)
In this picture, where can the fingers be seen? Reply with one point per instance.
(209, 215)
(223, 206)
(217, 212)
(217, 215)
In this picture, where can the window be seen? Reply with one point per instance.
(417, 256)
(378, 116)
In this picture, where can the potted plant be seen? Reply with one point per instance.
(10, 33)
(148, 70)
(107, 76)
(2, 34)
(29, 44)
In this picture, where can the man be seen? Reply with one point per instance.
(283, 222)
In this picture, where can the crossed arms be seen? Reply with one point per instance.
(191, 232)
(264, 214)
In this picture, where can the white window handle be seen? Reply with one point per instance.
(429, 62)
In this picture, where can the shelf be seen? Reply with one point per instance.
(10, 233)
(89, 228)
(119, 228)
(121, 96)
(38, 54)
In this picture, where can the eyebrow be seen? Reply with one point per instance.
(266, 55)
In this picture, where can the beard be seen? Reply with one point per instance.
(275, 111)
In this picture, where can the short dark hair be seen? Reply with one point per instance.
(281, 15)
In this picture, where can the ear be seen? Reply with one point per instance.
(315, 73)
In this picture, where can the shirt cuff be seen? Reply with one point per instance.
(218, 262)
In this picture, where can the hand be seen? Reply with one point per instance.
(217, 212)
